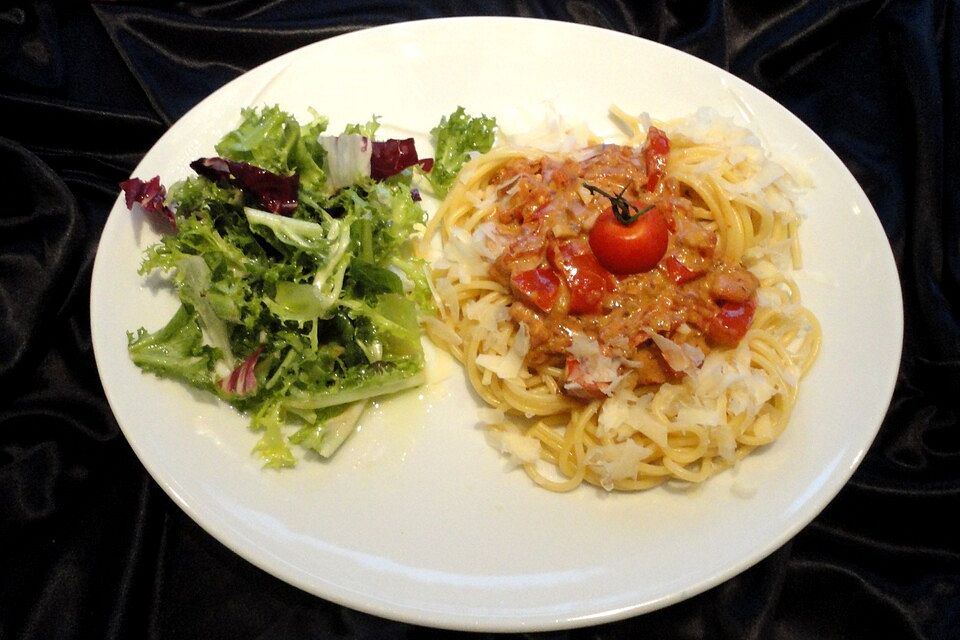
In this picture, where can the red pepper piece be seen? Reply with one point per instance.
(586, 278)
(538, 287)
(655, 152)
(731, 322)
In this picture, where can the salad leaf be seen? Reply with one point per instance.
(368, 130)
(265, 138)
(348, 158)
(273, 140)
(454, 139)
(297, 320)
(243, 379)
(367, 382)
(150, 195)
(328, 434)
(272, 446)
(175, 351)
(275, 192)
(368, 281)
(390, 157)
(193, 279)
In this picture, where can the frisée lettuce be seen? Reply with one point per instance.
(457, 136)
(291, 254)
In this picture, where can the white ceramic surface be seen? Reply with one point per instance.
(417, 518)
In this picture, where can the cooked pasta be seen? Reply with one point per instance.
(621, 378)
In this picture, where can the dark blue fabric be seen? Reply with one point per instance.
(90, 547)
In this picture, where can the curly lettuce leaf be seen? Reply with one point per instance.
(367, 130)
(175, 351)
(455, 138)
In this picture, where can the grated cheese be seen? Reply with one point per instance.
(520, 448)
(509, 365)
(617, 461)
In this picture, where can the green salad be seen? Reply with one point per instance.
(291, 254)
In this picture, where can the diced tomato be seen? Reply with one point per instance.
(576, 383)
(655, 152)
(679, 273)
(538, 287)
(586, 278)
(731, 322)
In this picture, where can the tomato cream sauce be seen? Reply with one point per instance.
(561, 289)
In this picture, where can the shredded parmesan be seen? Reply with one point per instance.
(509, 365)
(491, 416)
(598, 369)
(486, 314)
(462, 258)
(442, 330)
(489, 242)
(616, 461)
(680, 357)
(520, 448)
(624, 413)
(746, 167)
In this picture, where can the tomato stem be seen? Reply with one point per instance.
(621, 207)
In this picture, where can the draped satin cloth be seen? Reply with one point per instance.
(90, 547)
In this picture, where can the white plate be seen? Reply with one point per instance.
(417, 518)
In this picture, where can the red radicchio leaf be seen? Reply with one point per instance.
(243, 380)
(275, 193)
(150, 196)
(390, 157)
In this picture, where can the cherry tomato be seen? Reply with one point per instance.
(586, 278)
(632, 248)
(538, 287)
(731, 322)
(655, 152)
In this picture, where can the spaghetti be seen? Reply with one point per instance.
(626, 381)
